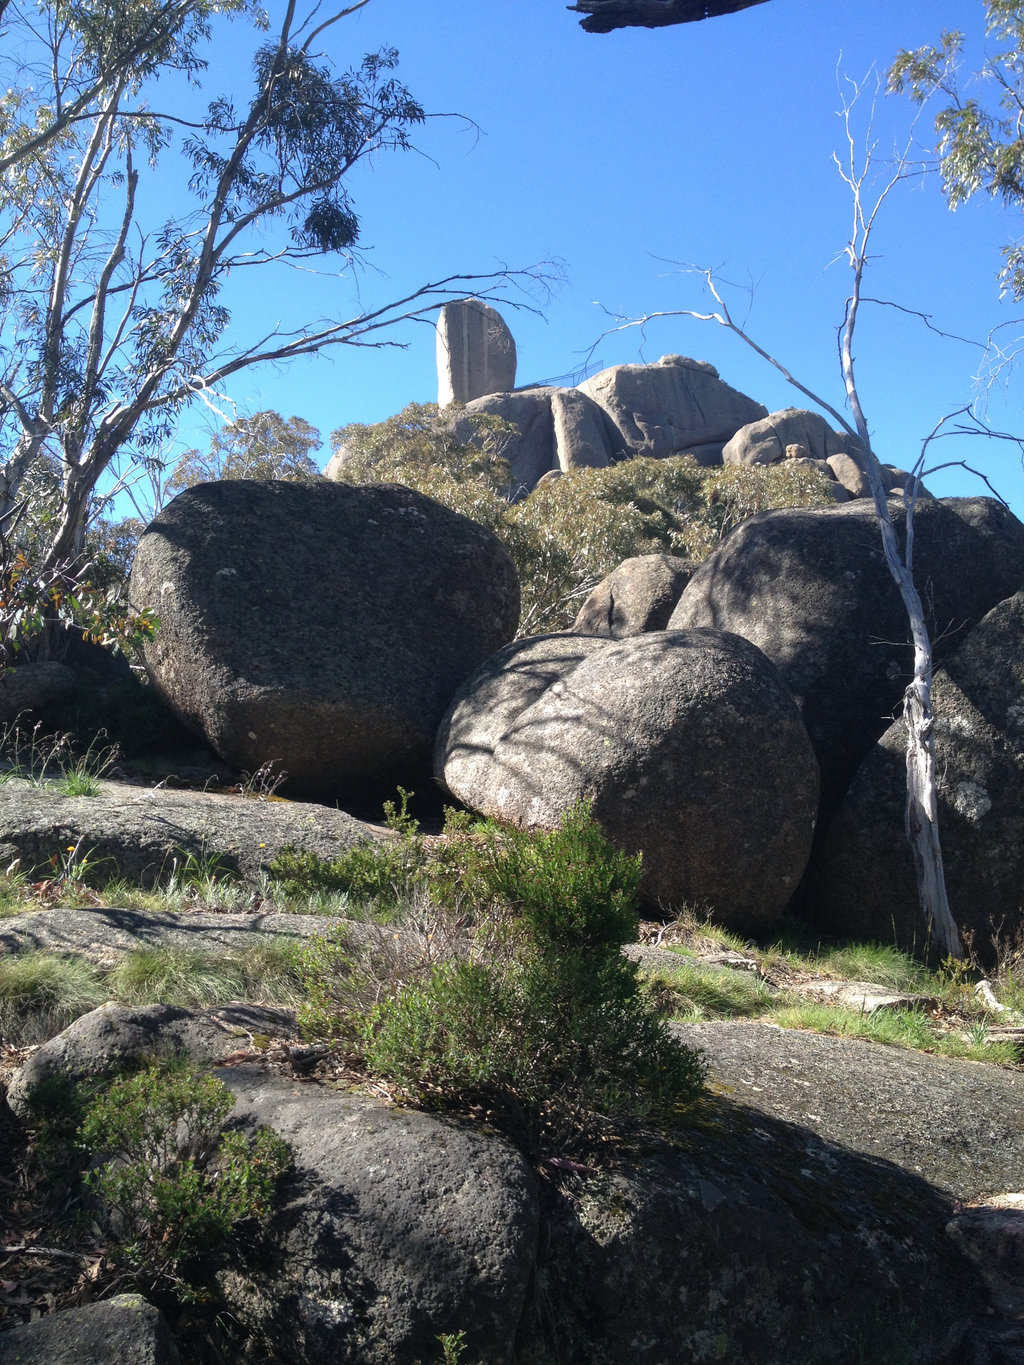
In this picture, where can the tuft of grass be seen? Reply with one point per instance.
(42, 993)
(878, 963)
(81, 776)
(897, 1028)
(263, 971)
(692, 993)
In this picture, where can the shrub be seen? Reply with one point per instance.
(174, 1185)
(569, 533)
(535, 1015)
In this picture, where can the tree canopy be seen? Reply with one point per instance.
(980, 135)
(264, 446)
(113, 315)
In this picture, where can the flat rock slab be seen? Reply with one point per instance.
(101, 934)
(138, 833)
(958, 1124)
(861, 995)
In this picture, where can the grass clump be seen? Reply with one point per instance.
(536, 1017)
(41, 993)
(692, 992)
(261, 971)
(898, 1028)
(55, 760)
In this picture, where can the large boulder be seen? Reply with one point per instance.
(399, 1226)
(686, 743)
(675, 407)
(476, 352)
(323, 627)
(753, 1242)
(866, 885)
(116, 1038)
(810, 587)
(766, 440)
(125, 1328)
(31, 687)
(637, 596)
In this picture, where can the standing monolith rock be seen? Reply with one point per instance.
(476, 352)
(320, 627)
(686, 743)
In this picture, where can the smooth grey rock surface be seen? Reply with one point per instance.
(103, 934)
(765, 440)
(751, 1240)
(557, 429)
(686, 743)
(957, 1124)
(397, 1226)
(531, 451)
(322, 627)
(476, 352)
(672, 407)
(637, 596)
(124, 1330)
(141, 833)
(582, 432)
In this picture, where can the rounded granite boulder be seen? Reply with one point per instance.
(320, 627)
(687, 744)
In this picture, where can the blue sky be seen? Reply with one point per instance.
(624, 155)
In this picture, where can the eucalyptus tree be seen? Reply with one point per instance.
(980, 127)
(112, 309)
(263, 446)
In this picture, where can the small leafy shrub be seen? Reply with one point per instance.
(175, 1186)
(536, 1016)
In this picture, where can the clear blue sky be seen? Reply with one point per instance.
(620, 154)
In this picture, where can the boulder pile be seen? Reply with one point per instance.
(714, 717)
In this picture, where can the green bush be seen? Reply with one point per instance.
(175, 1186)
(569, 533)
(533, 1013)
